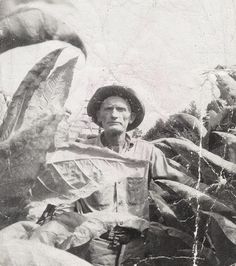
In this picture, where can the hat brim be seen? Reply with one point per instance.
(124, 92)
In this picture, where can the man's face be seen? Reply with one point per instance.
(115, 114)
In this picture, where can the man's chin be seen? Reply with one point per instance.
(115, 130)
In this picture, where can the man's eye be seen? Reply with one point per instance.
(120, 109)
(110, 109)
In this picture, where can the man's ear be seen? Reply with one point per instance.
(98, 116)
(132, 118)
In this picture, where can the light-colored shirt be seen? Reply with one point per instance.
(128, 194)
(142, 150)
(106, 185)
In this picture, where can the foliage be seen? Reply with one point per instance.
(137, 133)
(202, 205)
(28, 132)
(21, 99)
(192, 110)
(171, 129)
(192, 213)
(174, 128)
(35, 23)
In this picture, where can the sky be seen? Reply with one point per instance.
(160, 48)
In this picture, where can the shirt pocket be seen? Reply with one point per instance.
(136, 190)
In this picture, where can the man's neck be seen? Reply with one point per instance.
(114, 141)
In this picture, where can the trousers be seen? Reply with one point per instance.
(99, 253)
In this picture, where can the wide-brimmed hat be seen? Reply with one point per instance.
(126, 93)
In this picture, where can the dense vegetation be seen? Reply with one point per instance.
(192, 216)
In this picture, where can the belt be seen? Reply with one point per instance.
(118, 236)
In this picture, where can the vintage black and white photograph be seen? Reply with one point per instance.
(117, 133)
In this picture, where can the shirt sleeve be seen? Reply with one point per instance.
(161, 169)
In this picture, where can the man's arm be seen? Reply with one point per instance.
(160, 168)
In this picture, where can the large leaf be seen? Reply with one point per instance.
(227, 226)
(24, 153)
(227, 138)
(212, 165)
(225, 119)
(88, 230)
(23, 95)
(182, 165)
(227, 86)
(3, 107)
(214, 119)
(22, 157)
(35, 23)
(167, 244)
(198, 199)
(165, 148)
(179, 230)
(208, 233)
(221, 232)
(8, 6)
(223, 144)
(18, 252)
(166, 215)
(52, 93)
(191, 122)
(165, 210)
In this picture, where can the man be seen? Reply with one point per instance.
(106, 179)
(118, 109)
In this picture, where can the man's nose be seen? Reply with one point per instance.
(114, 113)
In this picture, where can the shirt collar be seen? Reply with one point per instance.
(129, 141)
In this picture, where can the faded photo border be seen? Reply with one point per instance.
(179, 58)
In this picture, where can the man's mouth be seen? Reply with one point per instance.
(114, 123)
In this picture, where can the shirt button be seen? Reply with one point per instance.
(119, 182)
(120, 223)
(120, 202)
